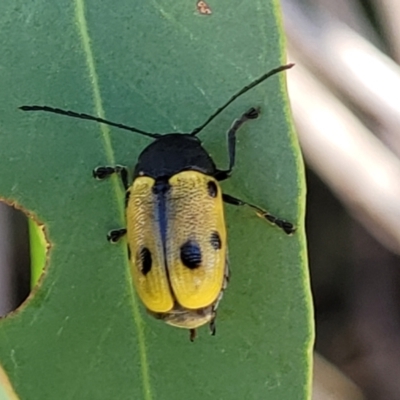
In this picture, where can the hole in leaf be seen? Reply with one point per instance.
(23, 251)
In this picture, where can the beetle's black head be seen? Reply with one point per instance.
(172, 153)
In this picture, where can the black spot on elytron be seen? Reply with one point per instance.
(212, 188)
(144, 260)
(129, 252)
(191, 254)
(215, 240)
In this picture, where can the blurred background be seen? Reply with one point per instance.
(345, 97)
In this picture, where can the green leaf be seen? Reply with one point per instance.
(162, 67)
(38, 250)
(6, 390)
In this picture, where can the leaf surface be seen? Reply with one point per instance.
(162, 67)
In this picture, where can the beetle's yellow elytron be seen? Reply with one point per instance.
(175, 229)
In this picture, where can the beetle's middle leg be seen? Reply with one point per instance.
(114, 235)
(104, 172)
(286, 226)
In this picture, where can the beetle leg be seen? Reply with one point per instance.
(116, 234)
(286, 226)
(192, 334)
(104, 172)
(212, 327)
(253, 113)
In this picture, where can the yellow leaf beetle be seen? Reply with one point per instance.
(176, 234)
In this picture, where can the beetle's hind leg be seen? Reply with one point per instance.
(213, 329)
(286, 226)
(104, 172)
(192, 334)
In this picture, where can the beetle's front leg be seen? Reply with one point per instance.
(250, 114)
(104, 172)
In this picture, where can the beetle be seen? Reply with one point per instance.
(175, 227)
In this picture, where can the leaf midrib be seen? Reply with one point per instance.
(80, 20)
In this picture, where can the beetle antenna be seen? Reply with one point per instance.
(194, 132)
(238, 94)
(74, 114)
